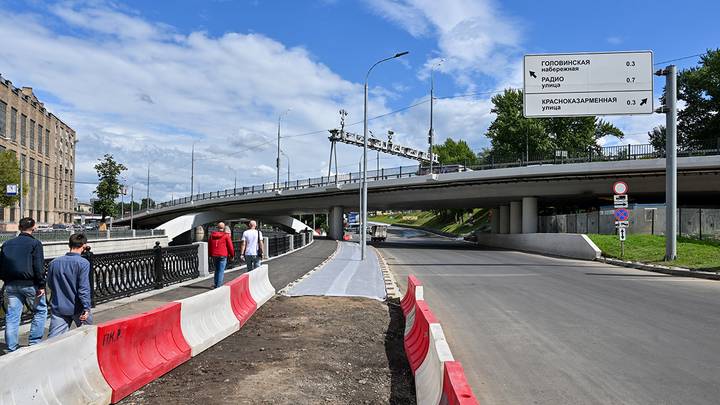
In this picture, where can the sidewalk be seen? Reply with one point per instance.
(282, 271)
(345, 275)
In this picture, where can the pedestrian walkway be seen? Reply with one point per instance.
(345, 275)
(282, 271)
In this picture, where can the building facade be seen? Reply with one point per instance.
(45, 147)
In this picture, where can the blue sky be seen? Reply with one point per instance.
(144, 80)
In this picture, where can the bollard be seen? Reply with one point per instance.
(292, 243)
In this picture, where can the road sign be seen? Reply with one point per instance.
(622, 214)
(353, 218)
(582, 84)
(622, 224)
(620, 187)
(11, 190)
(622, 233)
(620, 201)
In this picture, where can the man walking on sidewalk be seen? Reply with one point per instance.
(220, 247)
(22, 268)
(252, 246)
(69, 283)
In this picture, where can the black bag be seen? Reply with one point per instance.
(259, 245)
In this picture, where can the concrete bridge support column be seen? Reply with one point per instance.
(504, 218)
(529, 215)
(495, 220)
(515, 217)
(335, 223)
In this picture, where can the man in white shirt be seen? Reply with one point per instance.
(252, 246)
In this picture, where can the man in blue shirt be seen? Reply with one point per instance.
(22, 268)
(69, 282)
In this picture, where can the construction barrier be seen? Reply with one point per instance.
(456, 390)
(260, 288)
(63, 370)
(417, 342)
(241, 301)
(429, 376)
(136, 350)
(414, 292)
(207, 318)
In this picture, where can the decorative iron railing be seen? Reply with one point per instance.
(278, 244)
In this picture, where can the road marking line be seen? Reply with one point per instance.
(481, 275)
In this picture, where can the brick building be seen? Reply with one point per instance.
(46, 146)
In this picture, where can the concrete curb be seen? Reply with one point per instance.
(674, 271)
(391, 288)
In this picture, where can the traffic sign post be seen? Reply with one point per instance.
(622, 214)
(586, 84)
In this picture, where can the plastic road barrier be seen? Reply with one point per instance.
(456, 390)
(63, 370)
(135, 350)
(417, 342)
(429, 376)
(241, 301)
(260, 288)
(207, 318)
(414, 292)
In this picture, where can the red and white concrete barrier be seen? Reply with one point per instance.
(261, 289)
(63, 370)
(241, 300)
(439, 379)
(207, 318)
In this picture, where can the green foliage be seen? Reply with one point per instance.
(699, 88)
(511, 133)
(144, 203)
(9, 174)
(108, 189)
(452, 152)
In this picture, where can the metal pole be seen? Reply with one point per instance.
(147, 199)
(277, 160)
(431, 132)
(122, 202)
(132, 205)
(671, 162)
(192, 172)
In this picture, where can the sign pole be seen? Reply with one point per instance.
(670, 110)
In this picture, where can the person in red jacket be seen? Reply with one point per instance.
(220, 248)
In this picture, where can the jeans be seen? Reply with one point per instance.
(220, 263)
(60, 324)
(252, 261)
(16, 297)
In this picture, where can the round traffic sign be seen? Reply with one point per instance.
(622, 214)
(620, 187)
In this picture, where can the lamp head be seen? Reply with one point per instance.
(399, 54)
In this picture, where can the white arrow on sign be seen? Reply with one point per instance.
(622, 233)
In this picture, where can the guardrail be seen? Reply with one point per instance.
(278, 244)
(489, 162)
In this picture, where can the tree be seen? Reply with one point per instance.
(108, 189)
(699, 88)
(452, 152)
(513, 136)
(9, 174)
(144, 203)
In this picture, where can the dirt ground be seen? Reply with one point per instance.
(303, 350)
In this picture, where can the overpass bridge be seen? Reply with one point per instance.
(515, 192)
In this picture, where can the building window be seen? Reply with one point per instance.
(23, 130)
(47, 142)
(3, 111)
(32, 135)
(13, 124)
(2, 214)
(32, 191)
(40, 138)
(12, 214)
(47, 187)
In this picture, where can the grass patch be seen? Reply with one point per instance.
(692, 253)
(446, 223)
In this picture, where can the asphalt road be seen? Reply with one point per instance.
(531, 329)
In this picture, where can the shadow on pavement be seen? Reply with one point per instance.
(402, 390)
(627, 275)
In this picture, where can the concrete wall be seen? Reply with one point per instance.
(570, 245)
(55, 249)
(692, 222)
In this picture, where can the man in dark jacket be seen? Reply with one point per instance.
(69, 283)
(22, 269)
(220, 247)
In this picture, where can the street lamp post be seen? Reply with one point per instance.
(363, 227)
(192, 172)
(277, 160)
(431, 133)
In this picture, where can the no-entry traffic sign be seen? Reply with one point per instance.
(620, 187)
(582, 84)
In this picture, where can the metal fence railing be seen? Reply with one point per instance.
(488, 162)
(63, 235)
(278, 244)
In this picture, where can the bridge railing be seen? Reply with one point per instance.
(488, 162)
